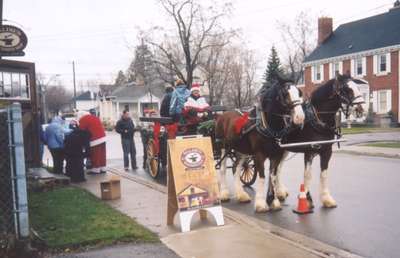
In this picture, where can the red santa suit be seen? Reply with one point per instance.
(93, 124)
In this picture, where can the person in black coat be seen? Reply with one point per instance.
(76, 146)
(165, 103)
(126, 129)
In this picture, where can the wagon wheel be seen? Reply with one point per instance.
(152, 159)
(248, 173)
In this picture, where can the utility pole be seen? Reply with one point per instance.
(73, 74)
(1, 15)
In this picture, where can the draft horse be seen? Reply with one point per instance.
(340, 93)
(278, 110)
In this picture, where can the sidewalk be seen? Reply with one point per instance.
(241, 237)
(369, 151)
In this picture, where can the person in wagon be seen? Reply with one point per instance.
(195, 104)
(178, 99)
(166, 101)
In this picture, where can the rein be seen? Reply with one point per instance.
(268, 132)
(317, 124)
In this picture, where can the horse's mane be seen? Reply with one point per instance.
(322, 92)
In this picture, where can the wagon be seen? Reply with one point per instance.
(164, 128)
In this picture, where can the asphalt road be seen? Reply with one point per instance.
(366, 219)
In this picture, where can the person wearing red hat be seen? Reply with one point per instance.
(92, 124)
(194, 107)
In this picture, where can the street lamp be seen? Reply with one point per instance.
(43, 89)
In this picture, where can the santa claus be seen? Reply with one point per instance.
(91, 123)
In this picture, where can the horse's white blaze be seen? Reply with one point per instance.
(357, 93)
(297, 113)
(326, 198)
(241, 195)
(307, 176)
(223, 185)
(260, 204)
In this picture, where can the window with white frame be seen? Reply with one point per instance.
(382, 101)
(317, 73)
(382, 64)
(358, 66)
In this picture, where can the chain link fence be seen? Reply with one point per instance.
(7, 226)
(14, 222)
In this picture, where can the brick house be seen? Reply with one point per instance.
(368, 49)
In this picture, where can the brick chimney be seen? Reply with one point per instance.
(324, 29)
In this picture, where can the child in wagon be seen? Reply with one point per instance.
(195, 108)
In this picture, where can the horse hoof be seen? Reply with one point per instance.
(282, 196)
(243, 198)
(328, 202)
(261, 206)
(276, 205)
(225, 196)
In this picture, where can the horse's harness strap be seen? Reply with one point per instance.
(317, 124)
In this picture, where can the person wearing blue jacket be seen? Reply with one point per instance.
(55, 142)
(178, 99)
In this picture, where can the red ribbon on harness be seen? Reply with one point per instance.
(241, 122)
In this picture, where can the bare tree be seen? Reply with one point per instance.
(242, 70)
(56, 98)
(300, 40)
(215, 62)
(195, 27)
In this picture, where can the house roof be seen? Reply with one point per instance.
(132, 92)
(86, 96)
(367, 34)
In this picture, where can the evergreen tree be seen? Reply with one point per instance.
(273, 68)
(121, 78)
(142, 68)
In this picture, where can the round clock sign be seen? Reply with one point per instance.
(12, 40)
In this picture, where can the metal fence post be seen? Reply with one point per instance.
(20, 197)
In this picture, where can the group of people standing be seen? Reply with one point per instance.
(82, 139)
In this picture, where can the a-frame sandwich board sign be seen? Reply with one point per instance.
(192, 181)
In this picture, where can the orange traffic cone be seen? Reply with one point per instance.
(302, 206)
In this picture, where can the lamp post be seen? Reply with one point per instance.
(43, 89)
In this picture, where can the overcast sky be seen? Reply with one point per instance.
(100, 34)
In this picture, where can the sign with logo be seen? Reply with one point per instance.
(12, 41)
(192, 180)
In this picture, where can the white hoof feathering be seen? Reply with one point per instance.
(261, 206)
(242, 196)
(225, 195)
(328, 201)
(276, 205)
(282, 193)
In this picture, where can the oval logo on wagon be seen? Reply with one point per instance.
(193, 158)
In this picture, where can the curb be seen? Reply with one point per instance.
(369, 154)
(311, 245)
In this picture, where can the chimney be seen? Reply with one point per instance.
(396, 5)
(324, 29)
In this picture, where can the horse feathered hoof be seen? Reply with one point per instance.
(225, 196)
(243, 197)
(328, 201)
(261, 206)
(276, 205)
(282, 196)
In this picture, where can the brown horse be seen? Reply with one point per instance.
(277, 104)
(320, 125)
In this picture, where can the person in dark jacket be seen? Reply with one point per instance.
(166, 101)
(126, 129)
(76, 147)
